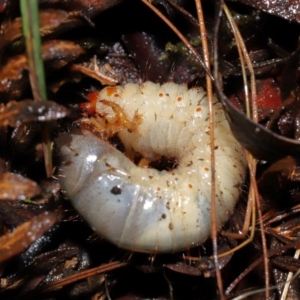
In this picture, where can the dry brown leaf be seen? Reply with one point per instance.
(60, 51)
(24, 235)
(287, 9)
(17, 187)
(28, 111)
(12, 70)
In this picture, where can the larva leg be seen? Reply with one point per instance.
(105, 128)
(94, 124)
(144, 162)
(122, 119)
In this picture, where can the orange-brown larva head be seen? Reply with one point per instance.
(89, 108)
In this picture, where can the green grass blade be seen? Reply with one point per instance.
(31, 31)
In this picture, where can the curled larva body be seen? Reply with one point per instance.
(144, 209)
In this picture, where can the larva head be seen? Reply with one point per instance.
(89, 107)
(144, 209)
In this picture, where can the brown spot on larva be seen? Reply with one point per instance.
(158, 188)
(116, 95)
(171, 226)
(179, 99)
(116, 190)
(206, 169)
(68, 163)
(163, 216)
(234, 166)
(161, 94)
(216, 147)
(150, 177)
(198, 109)
(110, 91)
(168, 205)
(190, 186)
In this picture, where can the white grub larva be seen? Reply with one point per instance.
(141, 208)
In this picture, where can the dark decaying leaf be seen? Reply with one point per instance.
(48, 266)
(289, 74)
(183, 268)
(277, 175)
(289, 230)
(81, 11)
(29, 111)
(205, 265)
(3, 166)
(65, 276)
(161, 65)
(124, 68)
(22, 136)
(287, 9)
(24, 235)
(88, 8)
(280, 277)
(17, 187)
(261, 142)
(147, 52)
(3, 5)
(286, 263)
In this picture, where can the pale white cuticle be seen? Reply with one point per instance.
(151, 210)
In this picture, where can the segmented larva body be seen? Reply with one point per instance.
(144, 209)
